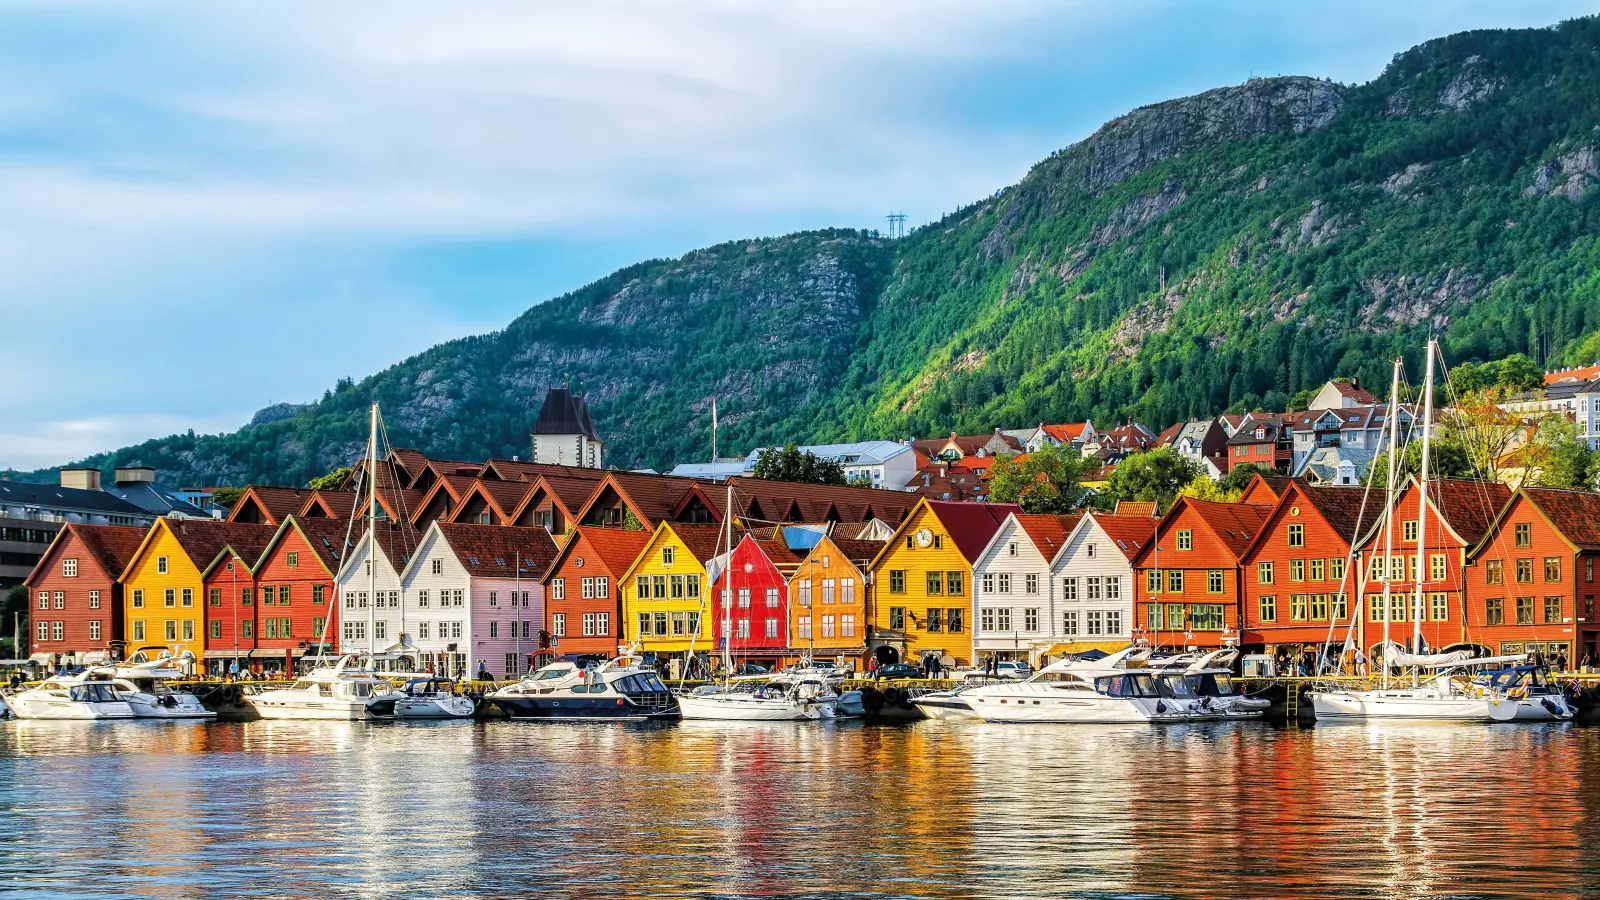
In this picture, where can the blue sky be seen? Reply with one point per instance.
(212, 206)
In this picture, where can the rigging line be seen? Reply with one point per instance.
(1350, 563)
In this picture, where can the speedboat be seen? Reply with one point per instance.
(947, 704)
(69, 697)
(340, 691)
(1443, 691)
(422, 698)
(1210, 677)
(142, 682)
(1525, 695)
(783, 697)
(615, 689)
(1116, 689)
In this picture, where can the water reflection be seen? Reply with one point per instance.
(270, 809)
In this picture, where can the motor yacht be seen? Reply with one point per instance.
(142, 682)
(951, 704)
(69, 697)
(1116, 689)
(763, 698)
(615, 689)
(1210, 677)
(422, 698)
(340, 691)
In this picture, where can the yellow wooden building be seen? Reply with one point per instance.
(828, 600)
(666, 604)
(922, 581)
(163, 601)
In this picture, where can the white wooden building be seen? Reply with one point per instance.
(1014, 604)
(1093, 581)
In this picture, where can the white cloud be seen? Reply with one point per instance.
(53, 442)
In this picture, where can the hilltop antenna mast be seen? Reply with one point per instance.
(897, 225)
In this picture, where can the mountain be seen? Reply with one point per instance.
(1221, 251)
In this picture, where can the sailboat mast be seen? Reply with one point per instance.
(1388, 512)
(1422, 501)
(727, 590)
(372, 538)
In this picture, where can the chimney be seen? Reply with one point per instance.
(135, 474)
(83, 479)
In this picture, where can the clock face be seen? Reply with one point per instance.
(924, 537)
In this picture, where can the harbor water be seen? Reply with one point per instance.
(332, 809)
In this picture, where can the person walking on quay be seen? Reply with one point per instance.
(1361, 662)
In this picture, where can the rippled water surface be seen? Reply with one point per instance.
(291, 809)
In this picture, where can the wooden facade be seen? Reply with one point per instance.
(751, 593)
(1186, 581)
(163, 584)
(828, 599)
(583, 589)
(75, 599)
(1298, 574)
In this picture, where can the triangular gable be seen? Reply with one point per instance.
(329, 505)
(292, 524)
(610, 484)
(249, 508)
(441, 500)
(144, 545)
(900, 530)
(656, 537)
(541, 490)
(696, 506)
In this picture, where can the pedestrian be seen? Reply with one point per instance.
(1561, 661)
(1361, 662)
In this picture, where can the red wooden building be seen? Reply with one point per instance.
(75, 599)
(1460, 513)
(583, 603)
(1262, 440)
(1531, 580)
(1297, 573)
(227, 582)
(752, 601)
(1186, 581)
(296, 607)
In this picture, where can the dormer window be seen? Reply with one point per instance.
(666, 556)
(1261, 433)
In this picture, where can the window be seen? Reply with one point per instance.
(60, 599)
(847, 625)
(986, 620)
(1524, 571)
(169, 598)
(94, 599)
(936, 583)
(1588, 568)
(422, 631)
(283, 596)
(214, 596)
(1030, 583)
(897, 618)
(558, 624)
(247, 597)
(693, 583)
(438, 567)
(666, 556)
(677, 586)
(1524, 610)
(644, 624)
(161, 564)
(422, 599)
(172, 629)
(1319, 569)
(1319, 607)
(1494, 572)
(1438, 568)
(44, 599)
(897, 581)
(1094, 619)
(1341, 606)
(138, 630)
(1552, 568)
(1264, 573)
(1113, 587)
(1011, 548)
(1408, 530)
(1174, 581)
(1297, 535)
(847, 591)
(494, 598)
(602, 588)
(1069, 623)
(1002, 619)
(94, 629)
(743, 630)
(827, 594)
(803, 625)
(1524, 532)
(1397, 568)
(602, 624)
(1030, 620)
(69, 568)
(935, 620)
(1091, 586)
(1552, 610)
(1297, 570)
(269, 595)
(354, 630)
(1336, 569)
(1185, 539)
(293, 559)
(247, 629)
(1152, 581)
(1268, 608)
(1089, 551)
(1113, 621)
(455, 629)
(954, 584)
(271, 626)
(1214, 581)
(1069, 588)
(1206, 616)
(380, 630)
(1438, 607)
(586, 585)
(588, 624)
(1297, 607)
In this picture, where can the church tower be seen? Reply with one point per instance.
(564, 434)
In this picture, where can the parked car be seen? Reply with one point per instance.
(897, 671)
(1009, 670)
(749, 669)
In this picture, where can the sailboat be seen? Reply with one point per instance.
(1441, 686)
(342, 690)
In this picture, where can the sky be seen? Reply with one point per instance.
(209, 207)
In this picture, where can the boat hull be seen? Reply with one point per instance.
(1079, 710)
(173, 706)
(946, 707)
(1398, 705)
(576, 708)
(283, 708)
(434, 708)
(745, 708)
(29, 708)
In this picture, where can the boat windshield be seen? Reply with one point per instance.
(1212, 684)
(1127, 686)
(550, 674)
(1177, 686)
(646, 683)
(95, 692)
(304, 684)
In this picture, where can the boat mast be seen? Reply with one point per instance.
(1422, 502)
(1388, 512)
(372, 539)
(727, 590)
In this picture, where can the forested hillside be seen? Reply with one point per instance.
(1218, 252)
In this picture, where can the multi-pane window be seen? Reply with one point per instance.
(60, 599)
(1524, 571)
(247, 629)
(1336, 568)
(269, 595)
(1094, 620)
(1030, 620)
(743, 631)
(1152, 581)
(214, 596)
(772, 596)
(1297, 570)
(1408, 530)
(897, 581)
(1069, 623)
(1552, 610)
(558, 589)
(69, 568)
(1552, 568)
(847, 591)
(1267, 608)
(558, 624)
(986, 620)
(588, 624)
(1002, 619)
(1174, 581)
(1030, 583)
(171, 629)
(422, 630)
(1524, 534)
(138, 630)
(380, 630)
(1524, 610)
(988, 582)
(169, 598)
(1297, 607)
(602, 624)
(1092, 587)
(936, 583)
(1113, 621)
(1297, 535)
(955, 619)
(897, 618)
(803, 625)
(1341, 606)
(292, 559)
(827, 627)
(1069, 588)
(216, 629)
(1113, 587)
(94, 629)
(1185, 539)
(744, 598)
(666, 556)
(1319, 569)
(1494, 572)
(1318, 607)
(1264, 573)
(1438, 568)
(954, 583)
(847, 625)
(1214, 581)
(1153, 618)
(44, 599)
(1206, 616)
(1438, 607)
(438, 567)
(94, 599)
(161, 565)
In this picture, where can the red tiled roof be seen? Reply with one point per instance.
(1143, 508)
(1066, 434)
(278, 503)
(1170, 434)
(412, 461)
(1130, 533)
(1234, 524)
(971, 525)
(493, 551)
(336, 504)
(617, 547)
(1048, 533)
(651, 497)
(1347, 389)
(1469, 507)
(326, 537)
(112, 546)
(1265, 490)
(1581, 373)
(702, 541)
(1342, 507)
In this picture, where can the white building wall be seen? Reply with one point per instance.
(353, 636)
(1002, 601)
(1092, 554)
(438, 607)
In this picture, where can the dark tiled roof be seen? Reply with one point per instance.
(398, 541)
(492, 551)
(1576, 514)
(971, 525)
(53, 496)
(277, 503)
(564, 412)
(412, 461)
(815, 500)
(652, 497)
(203, 540)
(1341, 506)
(1469, 507)
(861, 553)
(1265, 490)
(326, 537)
(703, 541)
(336, 504)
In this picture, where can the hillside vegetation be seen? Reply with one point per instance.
(1217, 252)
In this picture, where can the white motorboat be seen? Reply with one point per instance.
(764, 698)
(142, 681)
(422, 698)
(616, 689)
(340, 691)
(1210, 677)
(947, 704)
(1116, 689)
(69, 697)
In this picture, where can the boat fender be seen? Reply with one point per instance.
(1161, 706)
(168, 701)
(1550, 706)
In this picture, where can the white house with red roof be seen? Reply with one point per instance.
(1092, 578)
(1014, 604)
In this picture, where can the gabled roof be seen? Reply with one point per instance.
(1575, 514)
(452, 487)
(1235, 525)
(1271, 425)
(652, 498)
(1169, 435)
(1048, 533)
(1066, 433)
(1347, 509)
(112, 546)
(325, 537)
(330, 504)
(1351, 391)
(564, 412)
(274, 504)
(814, 501)
(701, 540)
(1467, 508)
(1579, 373)
(568, 493)
(503, 497)
(1265, 490)
(970, 525)
(412, 461)
(1129, 533)
(203, 540)
(397, 541)
(1146, 509)
(616, 547)
(495, 551)
(860, 553)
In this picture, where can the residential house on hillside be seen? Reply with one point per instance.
(1073, 435)
(1116, 444)
(1186, 584)
(879, 464)
(1013, 597)
(949, 481)
(76, 613)
(959, 447)
(1093, 578)
(1531, 580)
(1576, 398)
(1341, 393)
(32, 514)
(472, 600)
(1263, 440)
(1203, 441)
(583, 589)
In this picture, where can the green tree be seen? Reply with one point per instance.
(1157, 475)
(226, 497)
(332, 481)
(1204, 487)
(1301, 401)
(1466, 379)
(1446, 459)
(1559, 457)
(1045, 481)
(1518, 373)
(1241, 475)
(790, 464)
